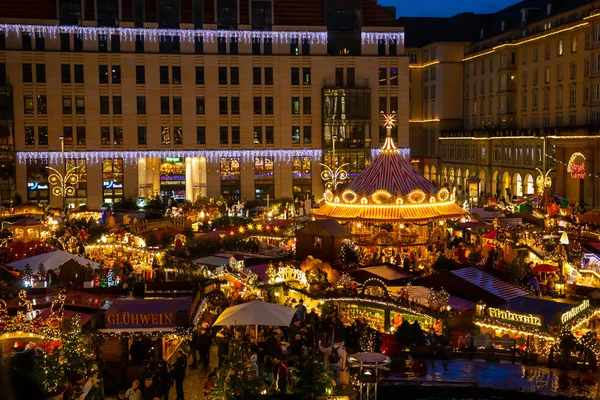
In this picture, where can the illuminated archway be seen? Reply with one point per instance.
(451, 177)
(433, 175)
(505, 184)
(529, 184)
(495, 183)
(445, 175)
(459, 181)
(426, 172)
(517, 185)
(482, 183)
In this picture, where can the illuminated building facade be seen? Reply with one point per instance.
(189, 98)
(530, 100)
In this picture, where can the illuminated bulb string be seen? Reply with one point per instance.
(189, 35)
(566, 164)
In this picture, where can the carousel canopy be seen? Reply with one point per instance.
(390, 189)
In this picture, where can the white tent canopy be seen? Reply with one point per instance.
(52, 260)
(256, 313)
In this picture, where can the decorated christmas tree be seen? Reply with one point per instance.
(48, 370)
(236, 379)
(75, 350)
(27, 273)
(42, 271)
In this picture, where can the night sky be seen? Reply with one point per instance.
(444, 8)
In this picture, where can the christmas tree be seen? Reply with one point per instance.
(27, 273)
(236, 379)
(42, 271)
(48, 370)
(75, 349)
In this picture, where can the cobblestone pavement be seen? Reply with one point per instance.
(193, 385)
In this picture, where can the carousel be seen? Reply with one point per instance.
(390, 205)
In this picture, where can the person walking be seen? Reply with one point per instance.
(134, 392)
(179, 373)
(204, 342)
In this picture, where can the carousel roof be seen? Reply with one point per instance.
(390, 189)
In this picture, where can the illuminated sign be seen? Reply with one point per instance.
(173, 159)
(573, 312)
(577, 171)
(36, 186)
(529, 319)
(112, 185)
(139, 319)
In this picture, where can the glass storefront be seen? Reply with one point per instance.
(112, 180)
(79, 168)
(301, 177)
(230, 178)
(264, 177)
(172, 178)
(37, 182)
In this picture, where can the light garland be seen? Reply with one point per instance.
(189, 35)
(129, 156)
(155, 34)
(486, 322)
(390, 304)
(377, 37)
(404, 152)
(64, 185)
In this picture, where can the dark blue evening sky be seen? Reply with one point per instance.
(444, 8)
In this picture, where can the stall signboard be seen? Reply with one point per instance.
(139, 319)
(576, 166)
(506, 315)
(37, 186)
(575, 311)
(112, 185)
(173, 159)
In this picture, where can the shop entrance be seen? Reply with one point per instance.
(172, 178)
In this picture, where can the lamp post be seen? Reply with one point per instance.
(333, 175)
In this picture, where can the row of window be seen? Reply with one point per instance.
(169, 135)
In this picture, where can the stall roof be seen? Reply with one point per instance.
(75, 299)
(490, 283)
(326, 227)
(51, 260)
(68, 314)
(212, 261)
(389, 274)
(547, 309)
(419, 293)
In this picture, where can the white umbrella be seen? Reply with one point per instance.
(256, 313)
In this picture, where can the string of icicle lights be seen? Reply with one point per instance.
(92, 157)
(189, 35)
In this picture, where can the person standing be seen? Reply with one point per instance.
(134, 392)
(300, 311)
(179, 373)
(194, 348)
(164, 379)
(204, 342)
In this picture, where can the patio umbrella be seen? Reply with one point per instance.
(544, 268)
(256, 313)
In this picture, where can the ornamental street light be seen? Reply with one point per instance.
(64, 184)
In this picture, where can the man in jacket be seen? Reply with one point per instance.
(179, 373)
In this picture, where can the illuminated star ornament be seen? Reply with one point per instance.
(64, 185)
(389, 120)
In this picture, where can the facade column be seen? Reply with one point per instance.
(130, 179)
(317, 182)
(95, 187)
(247, 180)
(142, 177)
(55, 201)
(199, 171)
(21, 180)
(189, 179)
(154, 177)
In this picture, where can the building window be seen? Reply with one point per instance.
(200, 75)
(43, 135)
(235, 135)
(105, 135)
(255, 46)
(65, 73)
(233, 46)
(139, 43)
(222, 75)
(141, 105)
(115, 43)
(42, 104)
(164, 75)
(559, 72)
(165, 135)
(256, 76)
(177, 105)
(164, 105)
(176, 75)
(258, 135)
(178, 135)
(301, 177)
(561, 44)
(29, 136)
(574, 44)
(116, 74)
(81, 137)
(382, 76)
(40, 73)
(223, 135)
(306, 105)
(25, 41)
(80, 104)
(117, 105)
(200, 135)
(573, 70)
(295, 105)
(294, 48)
(307, 135)
(68, 135)
(40, 42)
(67, 105)
(295, 76)
(269, 105)
(257, 105)
(104, 105)
(142, 137)
(27, 73)
(102, 73)
(199, 45)
(78, 73)
(269, 135)
(230, 178)
(235, 75)
(295, 135)
(200, 109)
(268, 75)
(394, 76)
(235, 105)
(112, 180)
(117, 135)
(306, 76)
(261, 15)
(264, 178)
(227, 11)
